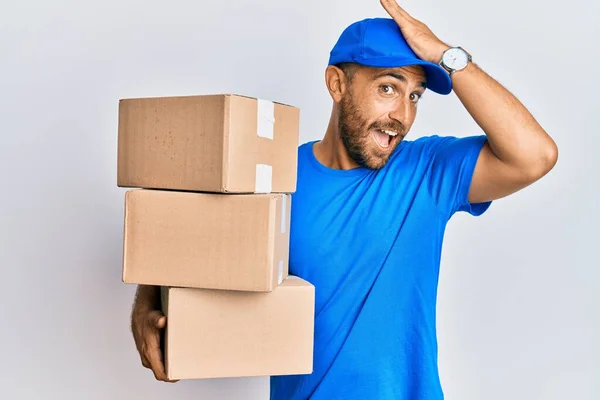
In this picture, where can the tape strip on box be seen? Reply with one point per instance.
(265, 119)
(264, 179)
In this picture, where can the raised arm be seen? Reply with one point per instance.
(518, 150)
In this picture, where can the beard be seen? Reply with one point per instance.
(355, 132)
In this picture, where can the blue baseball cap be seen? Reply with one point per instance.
(378, 42)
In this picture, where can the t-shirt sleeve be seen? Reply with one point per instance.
(450, 173)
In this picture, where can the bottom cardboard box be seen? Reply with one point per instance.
(214, 333)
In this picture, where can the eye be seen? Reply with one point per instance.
(415, 96)
(386, 89)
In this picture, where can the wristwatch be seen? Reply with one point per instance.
(454, 59)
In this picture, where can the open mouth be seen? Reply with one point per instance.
(384, 137)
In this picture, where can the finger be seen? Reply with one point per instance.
(395, 11)
(156, 319)
(143, 358)
(158, 369)
(145, 361)
(154, 356)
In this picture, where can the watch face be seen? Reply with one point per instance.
(456, 58)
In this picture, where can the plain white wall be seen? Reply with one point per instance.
(519, 292)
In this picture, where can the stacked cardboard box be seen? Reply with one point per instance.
(208, 220)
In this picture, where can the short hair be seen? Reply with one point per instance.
(349, 69)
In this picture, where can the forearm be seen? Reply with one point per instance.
(514, 136)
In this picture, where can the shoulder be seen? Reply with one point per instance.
(305, 149)
(417, 151)
(306, 162)
(306, 146)
(429, 147)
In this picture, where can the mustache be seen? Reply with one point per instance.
(390, 126)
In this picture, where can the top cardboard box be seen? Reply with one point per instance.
(222, 143)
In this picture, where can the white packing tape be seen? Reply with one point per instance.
(264, 179)
(265, 126)
(280, 275)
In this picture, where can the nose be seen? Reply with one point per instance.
(403, 112)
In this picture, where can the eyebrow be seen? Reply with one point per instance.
(400, 77)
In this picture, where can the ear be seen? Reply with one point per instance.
(336, 82)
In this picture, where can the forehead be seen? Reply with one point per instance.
(413, 75)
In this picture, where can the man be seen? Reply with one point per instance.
(371, 208)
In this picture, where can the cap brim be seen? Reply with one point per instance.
(438, 79)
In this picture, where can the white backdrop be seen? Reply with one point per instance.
(519, 292)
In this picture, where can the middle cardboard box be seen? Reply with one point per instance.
(206, 240)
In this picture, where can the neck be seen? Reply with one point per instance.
(331, 152)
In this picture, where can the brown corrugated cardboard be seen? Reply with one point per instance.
(208, 143)
(206, 240)
(218, 334)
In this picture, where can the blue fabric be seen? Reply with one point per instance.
(370, 242)
(378, 42)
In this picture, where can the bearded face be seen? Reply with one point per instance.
(376, 110)
(369, 143)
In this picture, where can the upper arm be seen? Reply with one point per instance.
(451, 171)
(494, 179)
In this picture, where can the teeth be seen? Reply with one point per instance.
(391, 133)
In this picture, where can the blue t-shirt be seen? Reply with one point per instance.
(370, 242)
